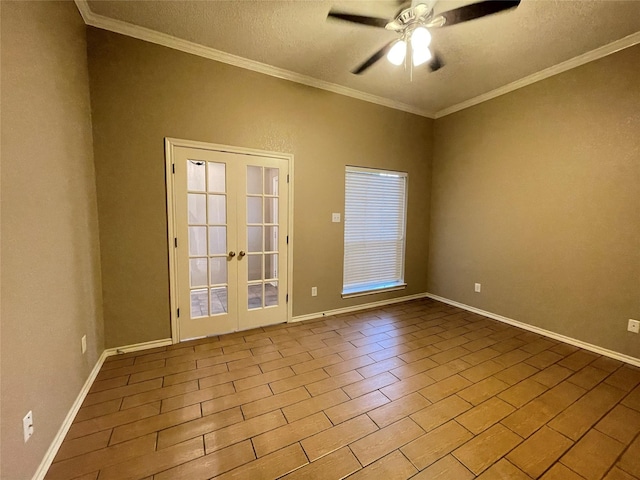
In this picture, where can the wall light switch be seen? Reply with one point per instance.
(83, 343)
(335, 217)
(478, 287)
(314, 291)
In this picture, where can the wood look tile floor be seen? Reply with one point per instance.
(416, 390)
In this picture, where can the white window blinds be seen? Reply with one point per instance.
(374, 230)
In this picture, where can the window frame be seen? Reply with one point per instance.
(385, 285)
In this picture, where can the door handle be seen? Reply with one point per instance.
(232, 254)
(241, 254)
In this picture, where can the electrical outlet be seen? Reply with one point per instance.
(478, 287)
(27, 426)
(83, 343)
(335, 217)
(314, 291)
(633, 326)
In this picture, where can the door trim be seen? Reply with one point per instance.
(170, 144)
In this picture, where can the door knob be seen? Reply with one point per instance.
(232, 254)
(241, 254)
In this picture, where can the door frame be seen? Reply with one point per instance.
(170, 144)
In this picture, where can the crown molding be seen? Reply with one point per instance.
(574, 62)
(84, 9)
(148, 35)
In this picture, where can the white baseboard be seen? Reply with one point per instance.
(547, 333)
(68, 420)
(355, 308)
(139, 346)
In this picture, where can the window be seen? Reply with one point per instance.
(374, 230)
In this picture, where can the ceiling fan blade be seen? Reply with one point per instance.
(436, 62)
(373, 58)
(360, 19)
(477, 10)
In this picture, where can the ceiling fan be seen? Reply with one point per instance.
(412, 23)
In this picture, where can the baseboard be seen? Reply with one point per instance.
(66, 424)
(355, 308)
(68, 420)
(139, 346)
(547, 333)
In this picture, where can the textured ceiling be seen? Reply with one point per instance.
(480, 55)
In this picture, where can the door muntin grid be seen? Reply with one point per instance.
(262, 197)
(208, 229)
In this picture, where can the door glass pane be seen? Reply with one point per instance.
(255, 296)
(254, 264)
(219, 300)
(254, 180)
(207, 217)
(218, 270)
(271, 181)
(216, 177)
(217, 209)
(254, 239)
(271, 266)
(197, 241)
(271, 210)
(254, 209)
(195, 175)
(270, 239)
(271, 294)
(197, 208)
(198, 272)
(217, 240)
(199, 303)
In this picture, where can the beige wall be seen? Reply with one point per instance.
(142, 92)
(50, 255)
(536, 195)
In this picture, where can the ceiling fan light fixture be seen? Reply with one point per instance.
(420, 41)
(397, 53)
(420, 38)
(420, 56)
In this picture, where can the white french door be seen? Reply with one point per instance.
(230, 216)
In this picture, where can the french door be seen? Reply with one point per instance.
(231, 225)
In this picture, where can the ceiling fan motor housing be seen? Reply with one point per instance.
(407, 16)
(415, 16)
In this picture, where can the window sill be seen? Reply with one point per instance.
(362, 293)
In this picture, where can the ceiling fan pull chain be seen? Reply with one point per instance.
(410, 71)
